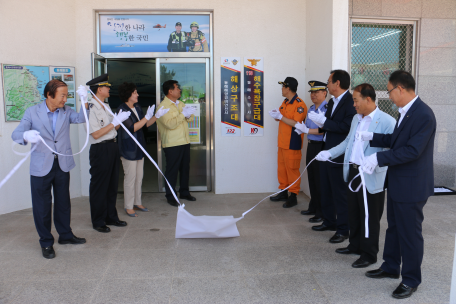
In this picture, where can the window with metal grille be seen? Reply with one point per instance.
(378, 48)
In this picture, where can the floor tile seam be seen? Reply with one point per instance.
(319, 286)
(97, 288)
(111, 258)
(235, 275)
(120, 242)
(172, 274)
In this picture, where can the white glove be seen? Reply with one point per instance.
(276, 114)
(370, 163)
(150, 112)
(323, 156)
(364, 135)
(82, 92)
(301, 128)
(161, 112)
(188, 111)
(318, 118)
(31, 136)
(120, 117)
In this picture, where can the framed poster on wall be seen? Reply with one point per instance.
(66, 74)
(154, 33)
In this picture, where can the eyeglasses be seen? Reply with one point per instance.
(389, 92)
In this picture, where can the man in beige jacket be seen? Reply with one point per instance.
(173, 128)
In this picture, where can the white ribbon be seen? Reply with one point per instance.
(8, 176)
(11, 173)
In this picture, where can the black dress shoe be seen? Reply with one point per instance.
(338, 238)
(291, 201)
(345, 250)
(322, 227)
(75, 241)
(282, 196)
(360, 263)
(403, 291)
(104, 229)
(188, 197)
(316, 219)
(380, 274)
(48, 252)
(173, 202)
(307, 212)
(117, 223)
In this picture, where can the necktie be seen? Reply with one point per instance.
(398, 118)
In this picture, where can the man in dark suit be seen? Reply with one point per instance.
(335, 123)
(51, 120)
(410, 182)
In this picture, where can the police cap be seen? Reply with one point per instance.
(178, 23)
(100, 81)
(316, 85)
(289, 82)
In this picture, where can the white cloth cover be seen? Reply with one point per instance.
(189, 226)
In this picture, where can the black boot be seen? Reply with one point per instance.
(282, 196)
(291, 201)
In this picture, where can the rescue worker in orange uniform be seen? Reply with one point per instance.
(292, 111)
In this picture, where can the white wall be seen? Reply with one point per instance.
(326, 43)
(241, 28)
(34, 33)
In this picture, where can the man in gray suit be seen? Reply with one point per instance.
(50, 119)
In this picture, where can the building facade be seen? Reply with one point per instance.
(304, 39)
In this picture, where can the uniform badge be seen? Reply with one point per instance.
(326, 106)
(102, 123)
(300, 110)
(91, 105)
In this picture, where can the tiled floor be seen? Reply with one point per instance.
(277, 258)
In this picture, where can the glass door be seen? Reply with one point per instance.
(99, 65)
(193, 77)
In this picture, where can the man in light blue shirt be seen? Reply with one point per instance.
(315, 142)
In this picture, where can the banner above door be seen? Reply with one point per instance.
(154, 35)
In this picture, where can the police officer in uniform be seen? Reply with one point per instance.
(177, 41)
(196, 39)
(315, 143)
(292, 111)
(104, 157)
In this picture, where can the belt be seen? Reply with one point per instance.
(107, 141)
(314, 141)
(355, 166)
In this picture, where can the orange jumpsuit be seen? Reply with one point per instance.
(290, 144)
